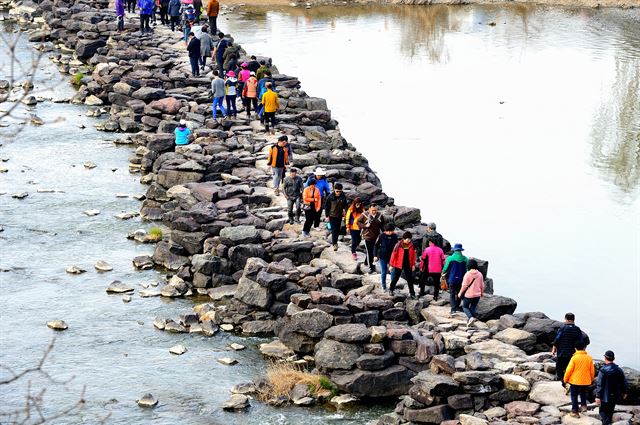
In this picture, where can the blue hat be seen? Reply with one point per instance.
(458, 247)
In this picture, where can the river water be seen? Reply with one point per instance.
(544, 185)
(520, 140)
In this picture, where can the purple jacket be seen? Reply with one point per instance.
(119, 7)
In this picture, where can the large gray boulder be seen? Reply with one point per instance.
(492, 307)
(311, 322)
(497, 350)
(253, 294)
(549, 393)
(430, 415)
(436, 384)
(518, 337)
(392, 381)
(238, 235)
(330, 354)
(351, 333)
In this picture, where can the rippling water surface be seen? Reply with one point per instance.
(520, 140)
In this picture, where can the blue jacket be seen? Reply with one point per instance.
(146, 7)
(612, 384)
(566, 339)
(322, 185)
(455, 267)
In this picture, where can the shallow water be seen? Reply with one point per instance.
(520, 140)
(110, 347)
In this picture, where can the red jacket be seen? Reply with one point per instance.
(397, 257)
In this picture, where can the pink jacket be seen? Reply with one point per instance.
(244, 75)
(472, 279)
(435, 259)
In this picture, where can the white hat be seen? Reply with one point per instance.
(183, 122)
(320, 172)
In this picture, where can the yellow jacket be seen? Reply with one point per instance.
(270, 101)
(580, 370)
(351, 219)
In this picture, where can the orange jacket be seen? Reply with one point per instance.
(580, 370)
(250, 88)
(351, 219)
(213, 8)
(273, 156)
(312, 194)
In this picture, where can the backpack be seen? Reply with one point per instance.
(191, 13)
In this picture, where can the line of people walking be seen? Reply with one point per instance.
(173, 13)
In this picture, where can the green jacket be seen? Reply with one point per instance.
(455, 267)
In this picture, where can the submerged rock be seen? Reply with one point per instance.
(58, 325)
(236, 402)
(103, 266)
(117, 287)
(75, 270)
(178, 349)
(147, 400)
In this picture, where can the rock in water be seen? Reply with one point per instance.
(75, 270)
(103, 266)
(178, 349)
(236, 347)
(20, 195)
(118, 287)
(344, 400)
(58, 325)
(227, 361)
(90, 165)
(236, 402)
(91, 213)
(147, 400)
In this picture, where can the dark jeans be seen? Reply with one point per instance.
(606, 412)
(430, 279)
(247, 104)
(175, 21)
(213, 28)
(454, 288)
(408, 274)
(131, 6)
(144, 23)
(220, 64)
(578, 390)
(231, 104)
(290, 204)
(469, 306)
(203, 61)
(153, 13)
(269, 116)
(356, 238)
(369, 247)
(163, 15)
(195, 70)
(384, 268)
(312, 218)
(335, 222)
(120, 23)
(561, 367)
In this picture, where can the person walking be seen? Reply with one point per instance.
(263, 68)
(164, 11)
(206, 44)
(454, 269)
(174, 13)
(371, 223)
(218, 92)
(437, 238)
(230, 57)
(197, 7)
(335, 208)
(565, 343)
(292, 188)
(119, 5)
(213, 9)
(383, 250)
(253, 64)
(262, 89)
(432, 263)
(250, 94)
(356, 209)
(218, 52)
(131, 6)
(471, 290)
(194, 53)
(243, 76)
(188, 19)
(320, 176)
(231, 84)
(146, 9)
(312, 206)
(182, 133)
(579, 374)
(611, 388)
(403, 260)
(278, 159)
(271, 104)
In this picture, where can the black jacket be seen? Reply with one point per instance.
(435, 237)
(566, 338)
(194, 48)
(336, 205)
(384, 246)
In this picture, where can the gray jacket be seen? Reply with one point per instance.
(293, 187)
(206, 44)
(217, 87)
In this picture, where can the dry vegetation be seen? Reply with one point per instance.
(283, 376)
